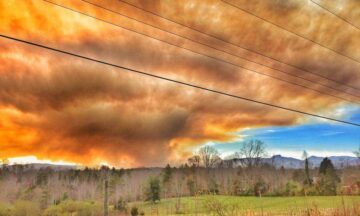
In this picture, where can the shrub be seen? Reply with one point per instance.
(70, 207)
(134, 211)
(260, 187)
(291, 188)
(213, 187)
(218, 208)
(121, 205)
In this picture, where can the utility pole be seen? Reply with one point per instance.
(106, 202)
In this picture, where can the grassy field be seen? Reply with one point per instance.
(273, 205)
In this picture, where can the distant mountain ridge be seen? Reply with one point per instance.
(314, 161)
(38, 166)
(277, 161)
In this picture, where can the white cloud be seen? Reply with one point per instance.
(332, 133)
(339, 112)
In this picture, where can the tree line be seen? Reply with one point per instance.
(205, 172)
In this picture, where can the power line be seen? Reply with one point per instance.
(221, 50)
(175, 81)
(292, 32)
(338, 16)
(242, 47)
(217, 59)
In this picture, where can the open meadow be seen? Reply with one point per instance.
(235, 205)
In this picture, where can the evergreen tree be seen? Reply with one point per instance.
(166, 178)
(308, 180)
(167, 174)
(152, 191)
(325, 166)
(328, 179)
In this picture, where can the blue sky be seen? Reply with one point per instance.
(318, 138)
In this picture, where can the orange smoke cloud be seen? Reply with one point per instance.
(61, 108)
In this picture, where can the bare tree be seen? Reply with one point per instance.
(209, 156)
(178, 185)
(251, 153)
(194, 161)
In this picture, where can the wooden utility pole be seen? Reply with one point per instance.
(106, 202)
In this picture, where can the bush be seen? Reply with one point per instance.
(218, 208)
(327, 185)
(121, 205)
(260, 187)
(213, 187)
(70, 207)
(134, 211)
(291, 188)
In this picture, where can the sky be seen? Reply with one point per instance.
(317, 138)
(61, 109)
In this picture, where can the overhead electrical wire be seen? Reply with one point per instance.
(221, 50)
(242, 47)
(212, 57)
(338, 16)
(292, 32)
(175, 81)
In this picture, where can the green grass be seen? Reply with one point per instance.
(193, 205)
